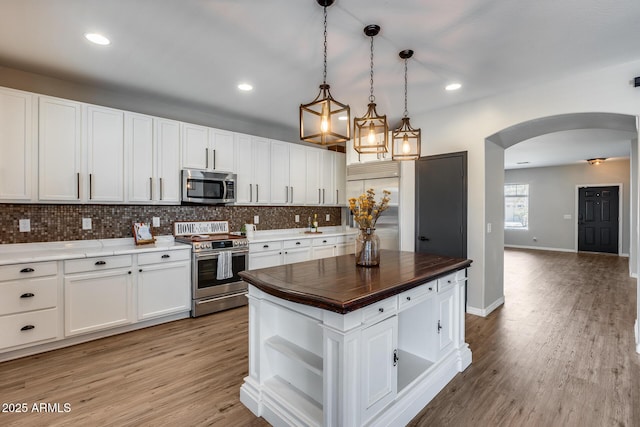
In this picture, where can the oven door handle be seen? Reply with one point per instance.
(215, 254)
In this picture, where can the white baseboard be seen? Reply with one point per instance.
(484, 312)
(540, 248)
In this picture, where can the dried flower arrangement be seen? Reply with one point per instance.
(365, 210)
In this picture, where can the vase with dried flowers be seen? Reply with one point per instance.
(366, 212)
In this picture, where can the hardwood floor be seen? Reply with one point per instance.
(560, 352)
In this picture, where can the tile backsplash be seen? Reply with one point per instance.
(51, 223)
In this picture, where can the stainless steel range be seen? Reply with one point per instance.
(216, 261)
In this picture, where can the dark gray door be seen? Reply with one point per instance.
(598, 219)
(441, 204)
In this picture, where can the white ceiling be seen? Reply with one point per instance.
(568, 147)
(197, 51)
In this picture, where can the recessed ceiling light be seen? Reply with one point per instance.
(246, 87)
(97, 39)
(453, 86)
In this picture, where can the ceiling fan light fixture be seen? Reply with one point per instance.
(406, 141)
(371, 131)
(320, 120)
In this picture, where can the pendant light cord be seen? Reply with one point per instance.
(371, 97)
(325, 47)
(406, 112)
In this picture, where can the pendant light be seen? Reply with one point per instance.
(406, 140)
(371, 130)
(325, 121)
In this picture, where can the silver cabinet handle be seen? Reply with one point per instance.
(319, 196)
(78, 184)
(323, 200)
(214, 159)
(90, 186)
(206, 158)
(286, 192)
(150, 188)
(292, 194)
(251, 192)
(337, 197)
(257, 193)
(161, 189)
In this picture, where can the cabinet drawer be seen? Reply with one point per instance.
(28, 295)
(291, 244)
(25, 328)
(275, 245)
(97, 263)
(379, 310)
(164, 256)
(25, 271)
(413, 296)
(320, 241)
(349, 238)
(448, 281)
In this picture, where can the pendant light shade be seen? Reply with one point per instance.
(406, 140)
(371, 131)
(324, 120)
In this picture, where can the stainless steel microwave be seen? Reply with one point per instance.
(208, 187)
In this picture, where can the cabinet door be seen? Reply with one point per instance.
(195, 147)
(314, 194)
(244, 185)
(340, 169)
(327, 183)
(323, 251)
(167, 182)
(59, 150)
(164, 289)
(296, 255)
(445, 321)
(223, 154)
(297, 174)
(96, 301)
(379, 367)
(280, 192)
(16, 145)
(138, 131)
(105, 154)
(265, 259)
(262, 169)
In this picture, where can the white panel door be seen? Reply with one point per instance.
(262, 169)
(140, 159)
(60, 177)
(244, 157)
(280, 192)
(195, 147)
(297, 174)
(314, 193)
(16, 145)
(167, 182)
(105, 154)
(223, 153)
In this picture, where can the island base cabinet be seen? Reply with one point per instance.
(376, 366)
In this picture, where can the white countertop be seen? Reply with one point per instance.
(260, 236)
(19, 253)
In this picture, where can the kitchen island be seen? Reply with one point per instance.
(332, 344)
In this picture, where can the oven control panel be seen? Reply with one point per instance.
(221, 244)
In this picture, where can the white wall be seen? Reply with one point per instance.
(552, 194)
(465, 127)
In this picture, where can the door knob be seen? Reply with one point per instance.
(424, 239)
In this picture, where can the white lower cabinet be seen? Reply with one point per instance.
(163, 281)
(97, 294)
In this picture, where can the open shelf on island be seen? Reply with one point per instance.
(296, 353)
(410, 367)
(299, 403)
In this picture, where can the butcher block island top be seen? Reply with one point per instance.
(337, 284)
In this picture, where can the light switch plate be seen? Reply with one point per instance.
(256, 219)
(86, 223)
(327, 217)
(567, 216)
(297, 218)
(488, 227)
(25, 225)
(156, 221)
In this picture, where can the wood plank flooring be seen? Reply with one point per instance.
(559, 353)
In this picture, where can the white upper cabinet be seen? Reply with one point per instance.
(222, 150)
(105, 154)
(207, 148)
(141, 157)
(60, 176)
(16, 145)
(253, 167)
(340, 174)
(354, 157)
(297, 174)
(314, 192)
(167, 140)
(327, 177)
(280, 164)
(195, 147)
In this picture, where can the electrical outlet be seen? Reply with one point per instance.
(567, 216)
(488, 227)
(25, 225)
(86, 223)
(327, 217)
(256, 219)
(297, 218)
(156, 221)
